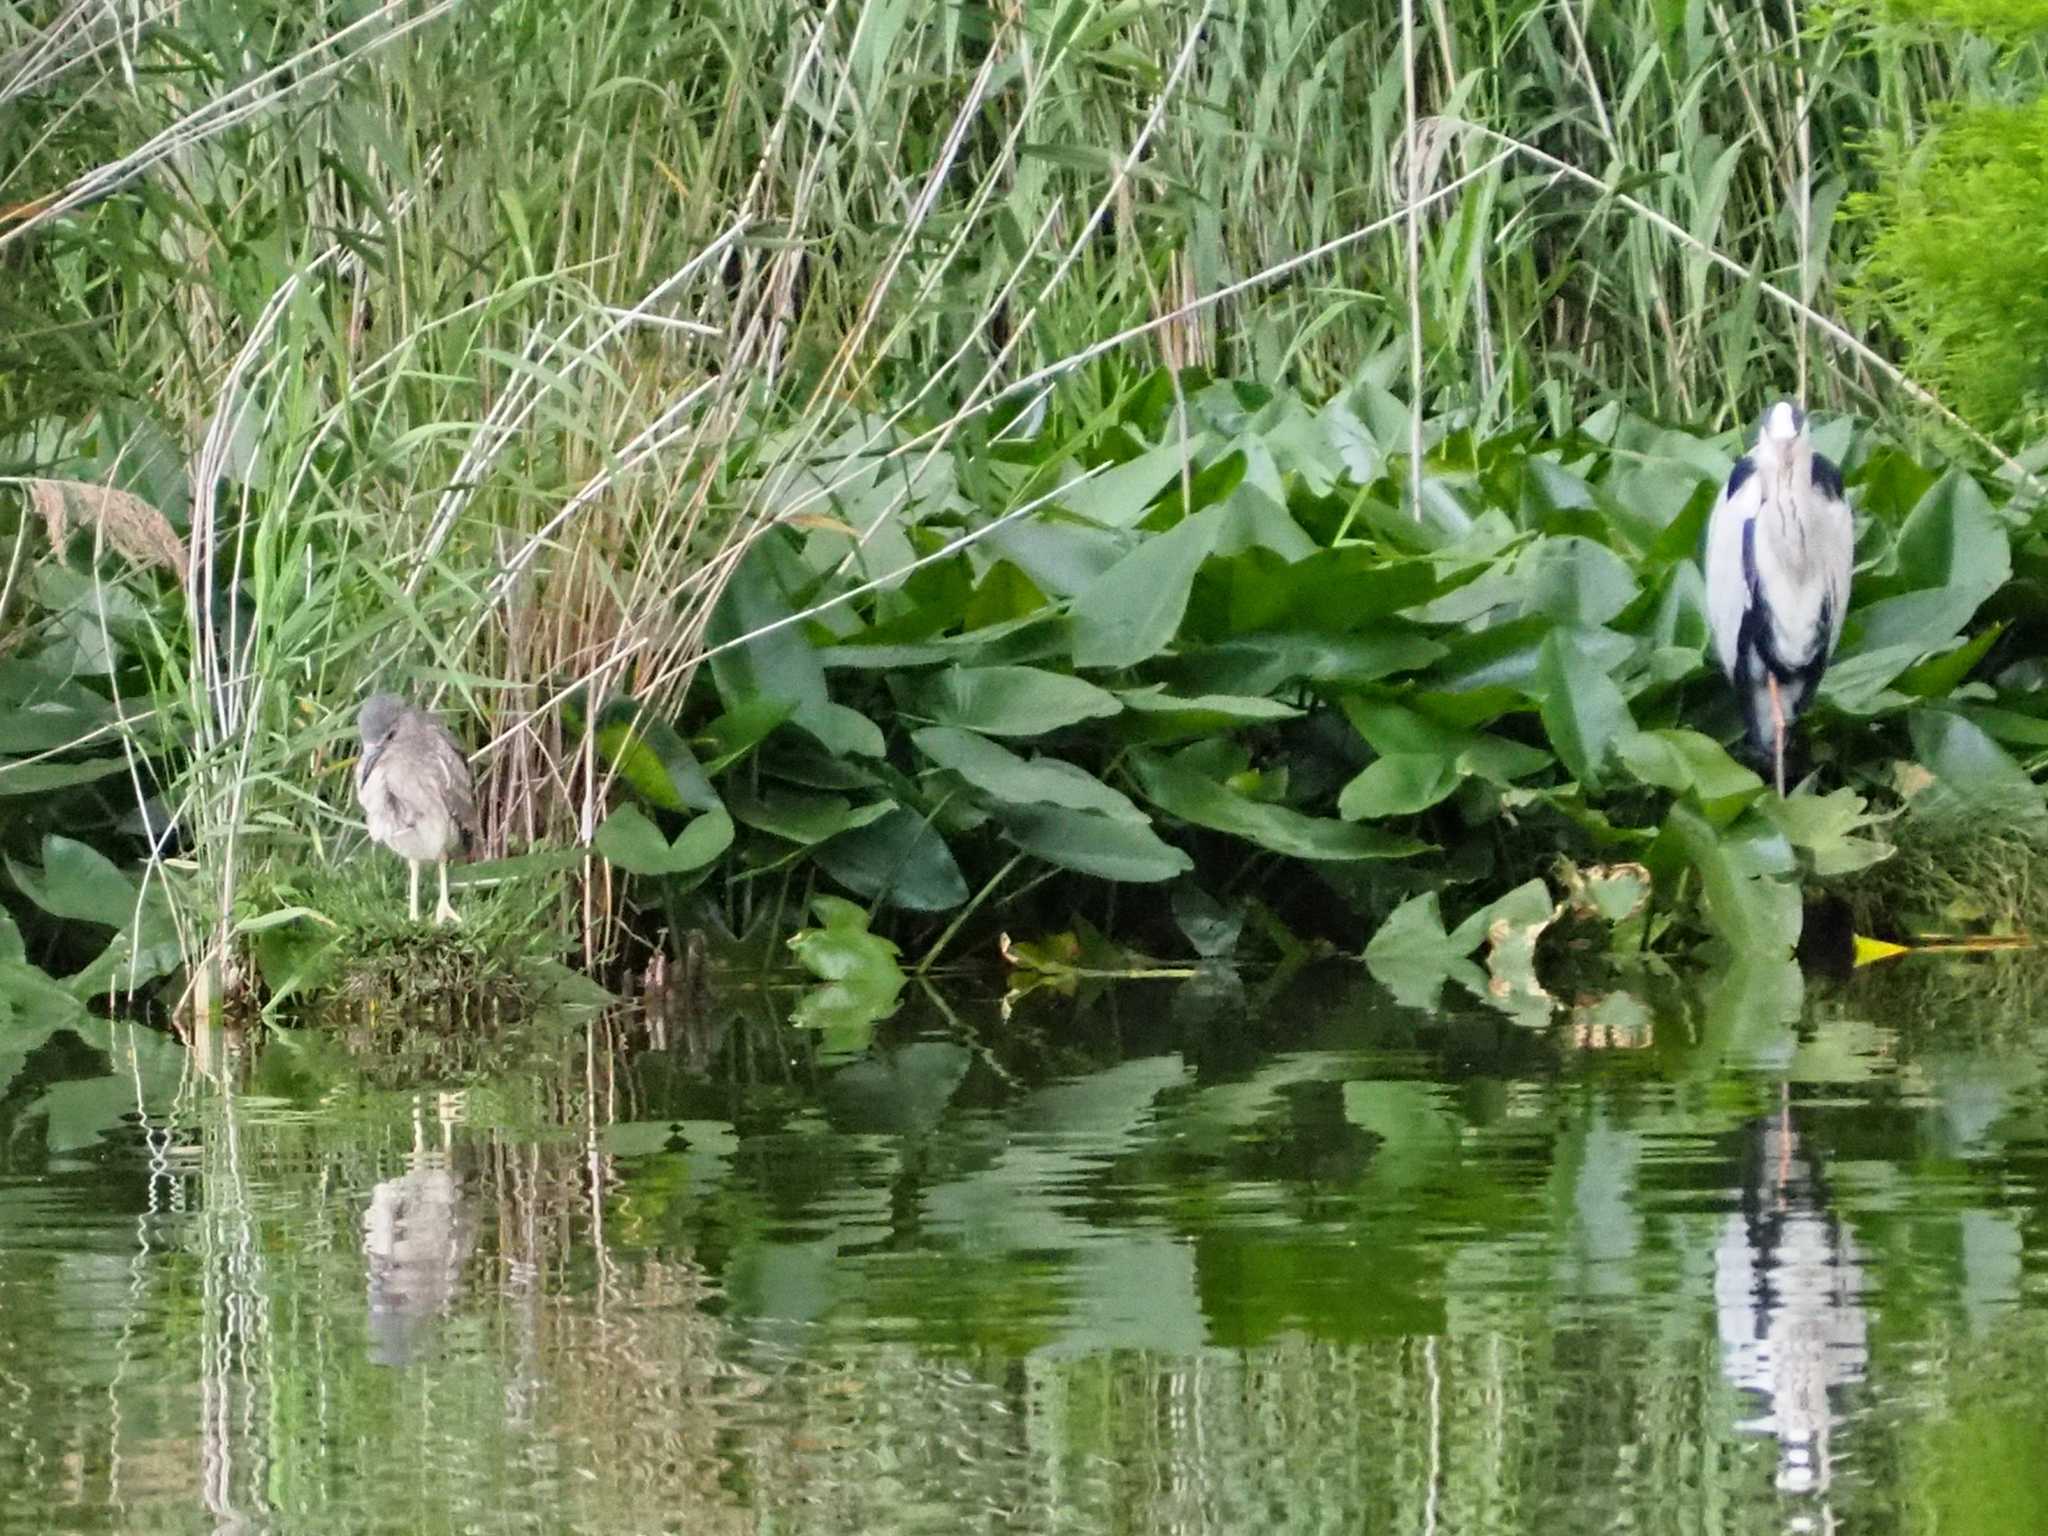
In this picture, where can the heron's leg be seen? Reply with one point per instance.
(445, 912)
(1777, 732)
(412, 898)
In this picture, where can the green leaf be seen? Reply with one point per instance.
(48, 727)
(1973, 775)
(1399, 785)
(1938, 676)
(1267, 663)
(1010, 701)
(1208, 925)
(630, 841)
(1009, 779)
(1153, 716)
(1422, 760)
(801, 817)
(1131, 612)
(1583, 711)
(1119, 497)
(844, 948)
(1575, 581)
(1412, 956)
(1687, 763)
(781, 663)
(735, 734)
(655, 761)
(1196, 798)
(900, 859)
(30, 1001)
(1756, 913)
(1952, 554)
(1826, 827)
(78, 883)
(1111, 848)
(39, 778)
(861, 977)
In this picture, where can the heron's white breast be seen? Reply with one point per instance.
(1796, 558)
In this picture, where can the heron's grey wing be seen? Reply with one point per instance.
(458, 789)
(1835, 530)
(1727, 581)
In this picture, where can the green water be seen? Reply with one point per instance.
(1199, 1257)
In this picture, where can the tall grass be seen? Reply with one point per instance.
(466, 345)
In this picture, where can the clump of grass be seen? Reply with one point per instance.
(1954, 878)
(349, 937)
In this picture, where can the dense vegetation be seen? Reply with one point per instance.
(1018, 410)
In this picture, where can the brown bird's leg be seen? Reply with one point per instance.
(412, 900)
(445, 912)
(1777, 732)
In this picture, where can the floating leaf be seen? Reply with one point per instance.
(862, 977)
(1412, 956)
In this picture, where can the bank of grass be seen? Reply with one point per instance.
(1951, 878)
(325, 934)
(489, 338)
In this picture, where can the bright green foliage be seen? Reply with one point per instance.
(1958, 262)
(858, 969)
(2013, 21)
(1323, 700)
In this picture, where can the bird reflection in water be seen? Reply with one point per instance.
(417, 1235)
(1788, 1287)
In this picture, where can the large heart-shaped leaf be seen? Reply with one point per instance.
(1012, 780)
(1010, 701)
(630, 841)
(1131, 612)
(1108, 847)
(1583, 712)
(900, 859)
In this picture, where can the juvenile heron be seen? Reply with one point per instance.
(1779, 551)
(414, 787)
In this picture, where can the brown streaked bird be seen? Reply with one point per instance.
(414, 787)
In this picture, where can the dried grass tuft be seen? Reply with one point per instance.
(124, 520)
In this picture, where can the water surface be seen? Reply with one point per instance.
(1216, 1256)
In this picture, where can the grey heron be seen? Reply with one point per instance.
(1780, 547)
(414, 787)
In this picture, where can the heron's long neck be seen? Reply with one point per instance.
(1788, 494)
